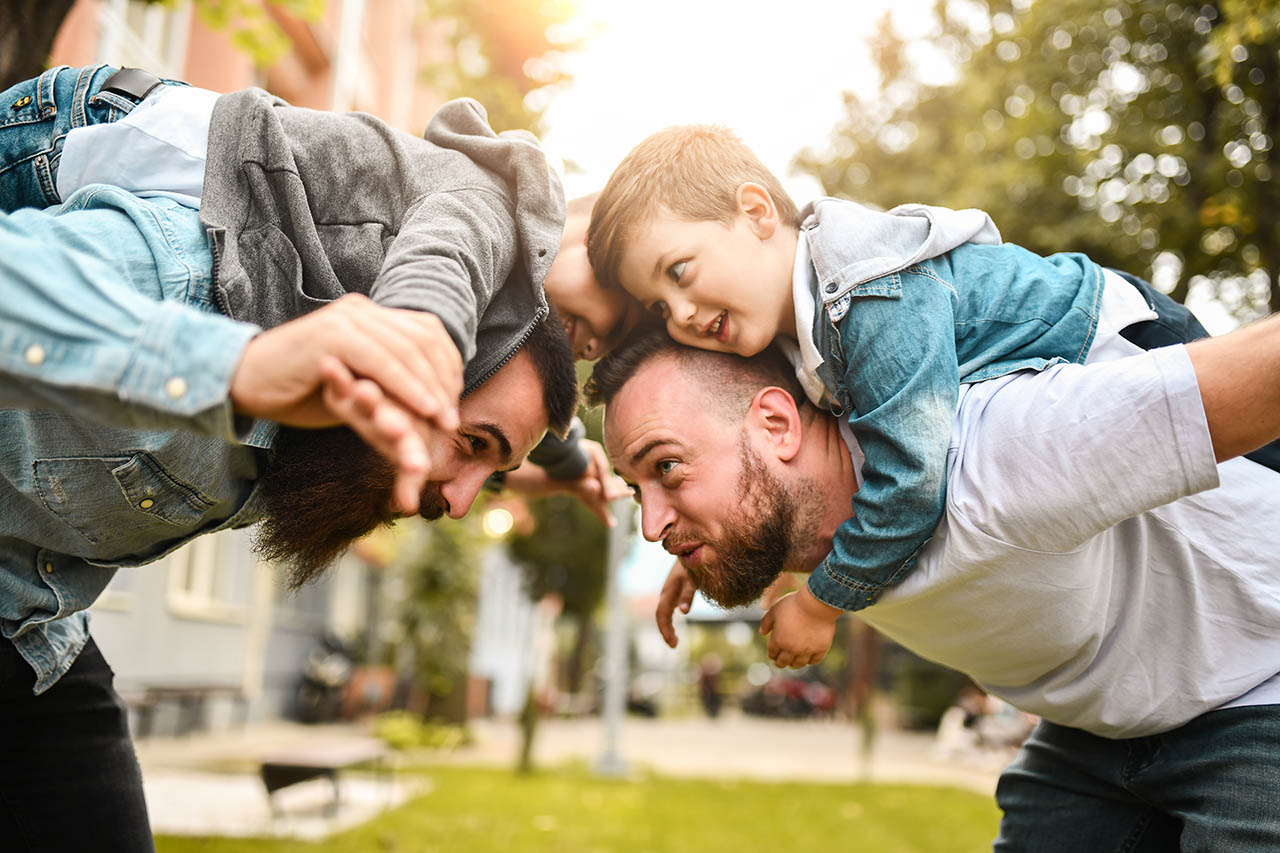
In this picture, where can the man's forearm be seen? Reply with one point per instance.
(76, 337)
(1239, 378)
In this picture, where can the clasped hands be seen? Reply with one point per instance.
(387, 373)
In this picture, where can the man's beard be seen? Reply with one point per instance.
(753, 550)
(322, 490)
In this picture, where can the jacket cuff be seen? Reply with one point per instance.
(562, 459)
(838, 590)
(182, 362)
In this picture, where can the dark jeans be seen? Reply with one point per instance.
(70, 779)
(1211, 785)
(1177, 325)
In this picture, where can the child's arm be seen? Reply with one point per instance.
(902, 380)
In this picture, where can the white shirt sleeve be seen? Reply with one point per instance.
(1046, 461)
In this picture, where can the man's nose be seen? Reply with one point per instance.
(461, 490)
(656, 518)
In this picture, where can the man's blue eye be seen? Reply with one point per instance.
(665, 466)
(676, 270)
(659, 308)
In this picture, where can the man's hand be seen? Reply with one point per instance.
(388, 373)
(597, 487)
(676, 592)
(384, 425)
(800, 629)
(407, 354)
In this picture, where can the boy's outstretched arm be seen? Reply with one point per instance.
(902, 378)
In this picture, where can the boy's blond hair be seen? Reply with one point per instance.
(693, 171)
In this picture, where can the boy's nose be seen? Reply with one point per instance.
(683, 311)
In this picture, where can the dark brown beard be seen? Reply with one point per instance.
(322, 490)
(753, 551)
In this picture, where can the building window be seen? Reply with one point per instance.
(202, 577)
(145, 35)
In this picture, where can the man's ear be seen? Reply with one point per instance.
(757, 205)
(774, 412)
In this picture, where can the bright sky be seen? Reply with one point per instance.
(772, 71)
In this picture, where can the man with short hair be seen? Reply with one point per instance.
(1096, 564)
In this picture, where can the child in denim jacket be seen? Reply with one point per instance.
(884, 316)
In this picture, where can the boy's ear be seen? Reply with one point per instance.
(774, 411)
(756, 204)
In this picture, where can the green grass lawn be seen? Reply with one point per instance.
(569, 810)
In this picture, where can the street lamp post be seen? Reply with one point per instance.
(611, 762)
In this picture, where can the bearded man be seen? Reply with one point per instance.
(322, 270)
(1105, 561)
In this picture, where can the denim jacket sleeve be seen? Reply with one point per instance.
(896, 345)
(75, 337)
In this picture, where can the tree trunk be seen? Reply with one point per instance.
(27, 30)
(578, 657)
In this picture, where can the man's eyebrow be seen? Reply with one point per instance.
(644, 451)
(500, 437)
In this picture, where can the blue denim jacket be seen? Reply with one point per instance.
(899, 333)
(109, 340)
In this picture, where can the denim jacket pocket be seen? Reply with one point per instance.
(125, 499)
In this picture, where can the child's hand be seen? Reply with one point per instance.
(676, 592)
(800, 629)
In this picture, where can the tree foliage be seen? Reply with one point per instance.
(438, 610)
(249, 24)
(1136, 131)
(506, 60)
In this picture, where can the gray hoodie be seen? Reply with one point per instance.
(304, 206)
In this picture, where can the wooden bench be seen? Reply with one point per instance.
(315, 760)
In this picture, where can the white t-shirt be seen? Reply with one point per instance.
(1094, 565)
(158, 149)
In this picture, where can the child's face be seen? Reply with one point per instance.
(594, 318)
(718, 287)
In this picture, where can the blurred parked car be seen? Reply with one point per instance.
(786, 695)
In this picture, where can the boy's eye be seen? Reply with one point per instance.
(659, 308)
(676, 270)
(478, 444)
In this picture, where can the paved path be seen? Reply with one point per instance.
(206, 784)
(736, 745)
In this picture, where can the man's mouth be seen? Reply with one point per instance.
(719, 327)
(688, 554)
(570, 326)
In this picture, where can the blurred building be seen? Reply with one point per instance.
(361, 55)
(208, 623)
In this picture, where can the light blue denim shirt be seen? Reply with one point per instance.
(117, 439)
(913, 303)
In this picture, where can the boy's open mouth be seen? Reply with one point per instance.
(716, 326)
